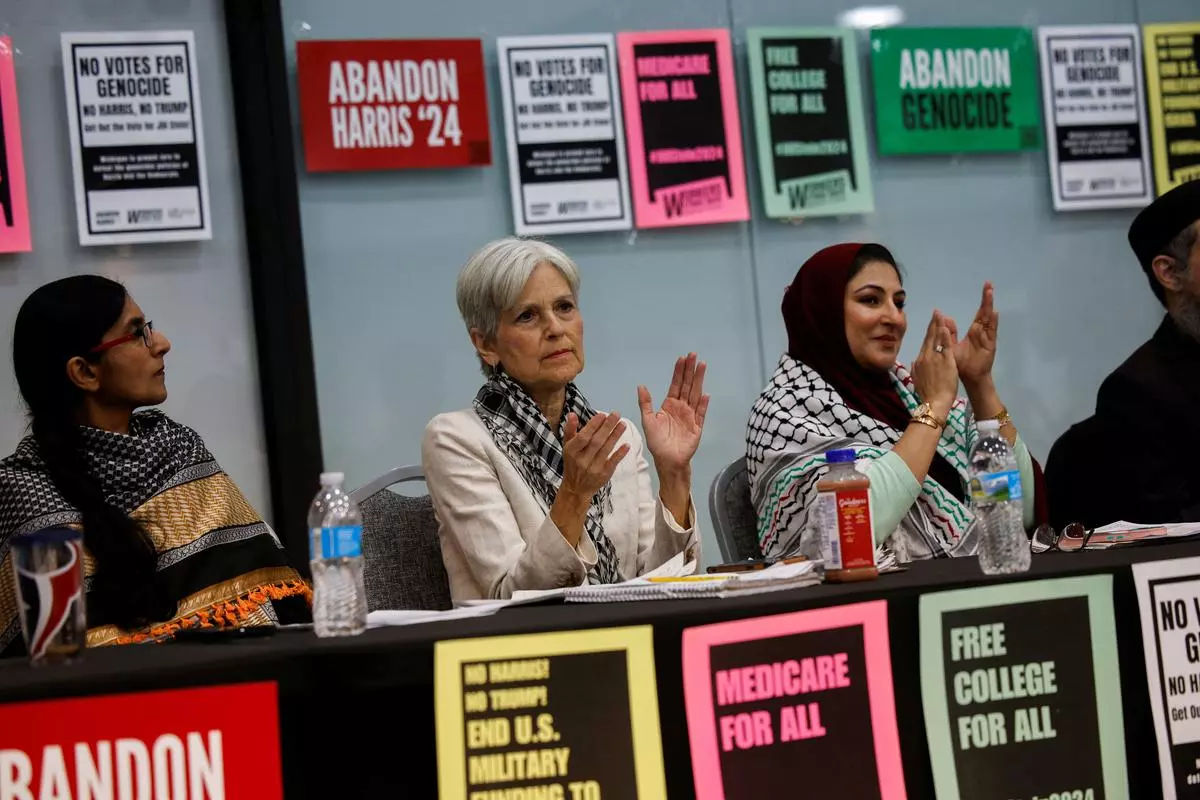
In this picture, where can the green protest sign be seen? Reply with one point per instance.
(808, 117)
(1022, 691)
(955, 90)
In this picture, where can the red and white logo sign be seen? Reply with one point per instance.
(393, 104)
(217, 743)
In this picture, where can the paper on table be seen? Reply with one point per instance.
(380, 619)
(776, 577)
(1171, 528)
(1120, 533)
(674, 567)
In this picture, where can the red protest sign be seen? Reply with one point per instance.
(215, 742)
(393, 104)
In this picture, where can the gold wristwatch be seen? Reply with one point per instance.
(924, 416)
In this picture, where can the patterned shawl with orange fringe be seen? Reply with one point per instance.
(219, 559)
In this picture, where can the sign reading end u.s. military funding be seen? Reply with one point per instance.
(955, 90)
(1022, 692)
(1169, 600)
(1173, 87)
(552, 716)
(808, 116)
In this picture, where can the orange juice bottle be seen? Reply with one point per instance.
(843, 519)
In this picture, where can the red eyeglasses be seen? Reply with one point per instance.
(145, 332)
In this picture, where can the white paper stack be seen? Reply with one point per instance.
(776, 578)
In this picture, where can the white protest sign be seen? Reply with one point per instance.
(565, 136)
(137, 142)
(1096, 137)
(1169, 600)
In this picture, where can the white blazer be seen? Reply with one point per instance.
(497, 536)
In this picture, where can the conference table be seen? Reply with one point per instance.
(371, 697)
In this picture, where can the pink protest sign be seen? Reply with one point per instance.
(14, 210)
(768, 695)
(681, 127)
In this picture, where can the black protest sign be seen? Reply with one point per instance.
(1021, 691)
(680, 112)
(520, 717)
(764, 695)
(685, 145)
(809, 122)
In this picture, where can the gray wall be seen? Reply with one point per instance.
(383, 250)
(197, 293)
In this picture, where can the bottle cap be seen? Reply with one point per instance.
(988, 425)
(840, 457)
(333, 478)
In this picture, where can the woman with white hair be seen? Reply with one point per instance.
(533, 488)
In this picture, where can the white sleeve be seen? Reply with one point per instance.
(475, 517)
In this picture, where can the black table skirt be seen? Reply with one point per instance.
(373, 694)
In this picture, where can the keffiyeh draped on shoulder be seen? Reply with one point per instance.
(798, 418)
(521, 431)
(216, 556)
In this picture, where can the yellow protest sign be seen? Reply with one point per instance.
(1173, 88)
(549, 716)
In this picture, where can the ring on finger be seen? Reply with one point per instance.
(939, 349)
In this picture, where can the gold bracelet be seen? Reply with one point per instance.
(1003, 418)
(930, 420)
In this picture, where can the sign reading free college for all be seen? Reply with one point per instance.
(955, 90)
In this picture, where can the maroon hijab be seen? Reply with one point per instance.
(814, 313)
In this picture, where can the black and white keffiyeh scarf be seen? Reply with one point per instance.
(520, 430)
(799, 417)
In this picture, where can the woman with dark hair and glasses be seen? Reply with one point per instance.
(171, 542)
(839, 386)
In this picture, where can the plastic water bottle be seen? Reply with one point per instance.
(996, 496)
(335, 553)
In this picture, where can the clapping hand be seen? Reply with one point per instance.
(935, 372)
(976, 352)
(673, 432)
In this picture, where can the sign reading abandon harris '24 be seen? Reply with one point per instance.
(393, 104)
(947, 90)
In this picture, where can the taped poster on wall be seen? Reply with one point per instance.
(955, 90)
(681, 122)
(565, 134)
(1098, 148)
(1173, 87)
(14, 205)
(137, 141)
(376, 104)
(808, 117)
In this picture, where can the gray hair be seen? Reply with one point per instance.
(494, 277)
(1179, 250)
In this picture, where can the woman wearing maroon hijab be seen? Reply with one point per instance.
(839, 386)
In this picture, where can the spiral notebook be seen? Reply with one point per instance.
(776, 578)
